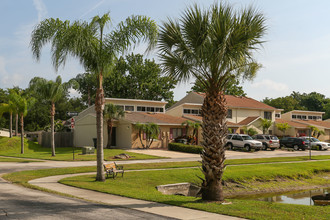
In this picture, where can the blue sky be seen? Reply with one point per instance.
(295, 57)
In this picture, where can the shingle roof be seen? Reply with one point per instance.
(158, 118)
(248, 120)
(325, 124)
(292, 123)
(243, 102)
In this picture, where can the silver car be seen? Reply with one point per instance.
(242, 141)
(268, 141)
(317, 144)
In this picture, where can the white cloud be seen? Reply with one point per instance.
(270, 86)
(74, 93)
(41, 9)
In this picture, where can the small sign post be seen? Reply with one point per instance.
(72, 123)
(71, 114)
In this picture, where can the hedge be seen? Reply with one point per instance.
(195, 149)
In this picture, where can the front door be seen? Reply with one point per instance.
(113, 137)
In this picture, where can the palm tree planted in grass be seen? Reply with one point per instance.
(150, 131)
(11, 108)
(95, 49)
(265, 124)
(112, 112)
(51, 91)
(213, 46)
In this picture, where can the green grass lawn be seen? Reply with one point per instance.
(142, 184)
(11, 147)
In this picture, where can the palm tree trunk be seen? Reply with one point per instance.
(52, 140)
(109, 127)
(99, 106)
(214, 128)
(22, 134)
(16, 126)
(11, 125)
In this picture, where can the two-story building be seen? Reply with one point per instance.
(124, 134)
(300, 122)
(242, 111)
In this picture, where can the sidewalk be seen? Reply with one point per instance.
(141, 205)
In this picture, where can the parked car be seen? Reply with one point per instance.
(316, 144)
(242, 141)
(268, 141)
(294, 142)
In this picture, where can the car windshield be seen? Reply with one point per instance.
(267, 137)
(314, 139)
(273, 138)
(247, 138)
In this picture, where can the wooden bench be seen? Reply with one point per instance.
(112, 170)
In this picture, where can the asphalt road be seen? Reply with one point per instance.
(17, 202)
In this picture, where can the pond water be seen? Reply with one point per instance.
(300, 198)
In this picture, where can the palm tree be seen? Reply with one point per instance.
(265, 124)
(249, 131)
(10, 108)
(112, 112)
(51, 91)
(96, 51)
(150, 130)
(214, 46)
(283, 127)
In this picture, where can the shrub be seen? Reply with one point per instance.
(195, 149)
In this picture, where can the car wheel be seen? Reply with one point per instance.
(272, 149)
(247, 148)
(264, 147)
(230, 146)
(319, 147)
(295, 147)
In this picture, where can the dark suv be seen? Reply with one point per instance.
(294, 142)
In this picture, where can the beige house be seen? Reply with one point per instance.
(242, 111)
(300, 122)
(124, 134)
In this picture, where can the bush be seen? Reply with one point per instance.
(195, 149)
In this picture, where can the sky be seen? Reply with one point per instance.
(295, 55)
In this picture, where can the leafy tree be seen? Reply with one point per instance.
(51, 91)
(194, 126)
(87, 87)
(151, 132)
(287, 103)
(11, 108)
(112, 112)
(313, 101)
(326, 109)
(95, 49)
(213, 46)
(232, 88)
(137, 78)
(249, 131)
(265, 124)
(282, 127)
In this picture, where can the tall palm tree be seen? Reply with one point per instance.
(265, 124)
(96, 51)
(51, 91)
(212, 45)
(112, 112)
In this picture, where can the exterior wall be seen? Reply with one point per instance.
(292, 132)
(85, 131)
(123, 135)
(288, 115)
(242, 114)
(4, 133)
(177, 111)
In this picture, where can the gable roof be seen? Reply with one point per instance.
(249, 120)
(231, 100)
(324, 124)
(294, 124)
(160, 119)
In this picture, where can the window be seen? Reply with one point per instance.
(268, 115)
(129, 108)
(299, 116)
(319, 117)
(229, 113)
(294, 116)
(310, 117)
(141, 109)
(159, 109)
(277, 115)
(149, 109)
(191, 111)
(314, 117)
(177, 132)
(120, 107)
(303, 116)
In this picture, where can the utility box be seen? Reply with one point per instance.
(88, 150)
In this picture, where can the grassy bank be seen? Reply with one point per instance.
(240, 179)
(17, 160)
(12, 147)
